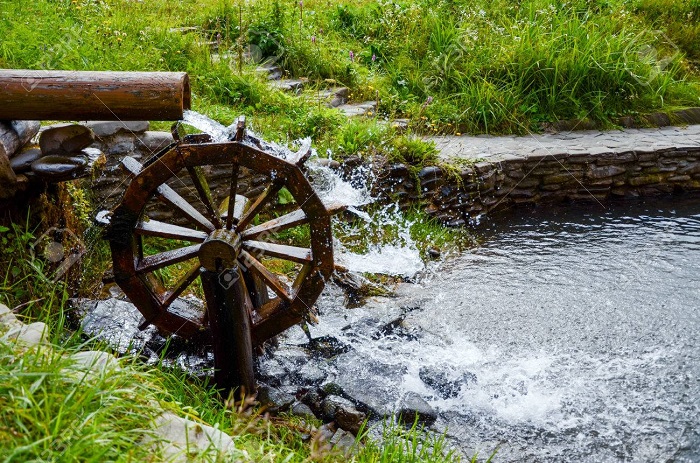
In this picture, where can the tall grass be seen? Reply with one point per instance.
(487, 66)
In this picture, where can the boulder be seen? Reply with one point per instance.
(302, 410)
(94, 361)
(152, 142)
(64, 139)
(183, 440)
(27, 335)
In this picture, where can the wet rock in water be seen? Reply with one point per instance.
(23, 161)
(272, 371)
(434, 252)
(326, 347)
(396, 327)
(275, 400)
(314, 400)
(343, 412)
(437, 380)
(103, 129)
(357, 288)
(55, 168)
(310, 375)
(379, 400)
(414, 407)
(64, 139)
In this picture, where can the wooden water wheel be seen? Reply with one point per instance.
(225, 242)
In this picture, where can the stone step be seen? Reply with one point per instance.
(272, 71)
(290, 85)
(365, 108)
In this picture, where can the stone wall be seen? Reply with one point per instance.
(488, 186)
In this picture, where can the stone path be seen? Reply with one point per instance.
(579, 143)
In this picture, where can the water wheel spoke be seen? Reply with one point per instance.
(165, 230)
(280, 251)
(260, 203)
(170, 196)
(166, 258)
(230, 216)
(202, 186)
(182, 284)
(268, 277)
(290, 220)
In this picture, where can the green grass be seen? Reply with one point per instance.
(450, 66)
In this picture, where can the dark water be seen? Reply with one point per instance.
(573, 334)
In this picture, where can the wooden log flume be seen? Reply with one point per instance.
(93, 95)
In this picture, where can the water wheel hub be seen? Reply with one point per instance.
(220, 250)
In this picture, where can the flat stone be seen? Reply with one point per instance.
(104, 129)
(64, 139)
(27, 335)
(183, 440)
(59, 168)
(23, 161)
(605, 171)
(343, 441)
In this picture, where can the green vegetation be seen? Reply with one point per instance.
(449, 66)
(52, 412)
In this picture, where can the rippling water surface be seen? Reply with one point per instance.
(572, 334)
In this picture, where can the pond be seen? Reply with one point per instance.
(570, 334)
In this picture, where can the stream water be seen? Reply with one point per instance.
(570, 334)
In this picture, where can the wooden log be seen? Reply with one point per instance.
(15, 134)
(88, 95)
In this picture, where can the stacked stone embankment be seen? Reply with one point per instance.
(491, 173)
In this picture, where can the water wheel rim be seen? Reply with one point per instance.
(279, 314)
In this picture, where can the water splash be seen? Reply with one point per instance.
(398, 257)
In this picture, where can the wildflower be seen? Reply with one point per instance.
(428, 101)
(352, 56)
(313, 39)
(301, 4)
(374, 57)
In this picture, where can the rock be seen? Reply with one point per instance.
(311, 375)
(152, 142)
(103, 129)
(274, 399)
(413, 406)
(94, 361)
(23, 161)
(344, 413)
(343, 441)
(326, 347)
(434, 252)
(331, 404)
(64, 139)
(302, 410)
(58, 168)
(182, 440)
(8, 319)
(27, 335)
(15, 134)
